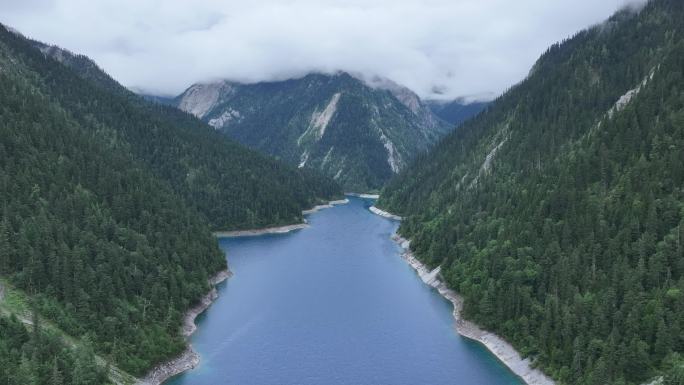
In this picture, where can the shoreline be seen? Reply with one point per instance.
(279, 229)
(189, 359)
(384, 213)
(504, 351)
(256, 232)
(363, 195)
(328, 205)
(500, 348)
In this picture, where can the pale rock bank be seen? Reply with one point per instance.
(279, 229)
(384, 213)
(363, 195)
(504, 351)
(326, 206)
(189, 359)
(256, 232)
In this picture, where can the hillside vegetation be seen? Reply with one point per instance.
(357, 133)
(559, 212)
(107, 206)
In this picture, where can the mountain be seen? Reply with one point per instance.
(558, 213)
(107, 205)
(212, 173)
(81, 64)
(456, 111)
(358, 132)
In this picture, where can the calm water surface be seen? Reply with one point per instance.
(332, 304)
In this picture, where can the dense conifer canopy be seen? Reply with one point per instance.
(559, 213)
(107, 204)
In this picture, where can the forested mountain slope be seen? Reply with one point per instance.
(36, 354)
(104, 247)
(559, 212)
(234, 188)
(81, 64)
(38, 358)
(107, 203)
(358, 133)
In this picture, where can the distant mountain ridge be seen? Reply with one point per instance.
(456, 111)
(358, 132)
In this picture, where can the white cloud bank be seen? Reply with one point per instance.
(456, 47)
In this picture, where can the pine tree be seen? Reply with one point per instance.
(56, 377)
(663, 341)
(5, 249)
(85, 368)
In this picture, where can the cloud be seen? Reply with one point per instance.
(439, 48)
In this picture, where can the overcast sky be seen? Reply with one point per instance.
(451, 47)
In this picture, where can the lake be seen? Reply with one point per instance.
(332, 304)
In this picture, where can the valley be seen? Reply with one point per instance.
(285, 316)
(301, 219)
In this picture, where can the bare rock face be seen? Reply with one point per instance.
(202, 98)
(410, 99)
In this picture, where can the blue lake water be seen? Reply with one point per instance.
(332, 304)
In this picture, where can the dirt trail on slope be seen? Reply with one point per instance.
(116, 375)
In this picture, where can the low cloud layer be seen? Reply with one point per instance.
(439, 48)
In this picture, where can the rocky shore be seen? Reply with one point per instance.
(189, 359)
(504, 351)
(361, 195)
(497, 345)
(384, 213)
(256, 232)
(326, 206)
(279, 229)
